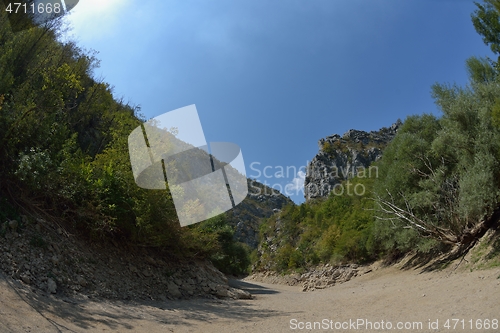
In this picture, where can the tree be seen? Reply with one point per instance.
(486, 21)
(441, 177)
(64, 148)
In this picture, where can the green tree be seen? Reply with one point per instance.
(64, 149)
(228, 256)
(486, 21)
(440, 178)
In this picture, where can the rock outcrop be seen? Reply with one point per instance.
(319, 277)
(261, 202)
(343, 157)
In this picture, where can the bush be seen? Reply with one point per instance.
(229, 256)
(338, 228)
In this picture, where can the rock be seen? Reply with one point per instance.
(340, 158)
(174, 290)
(222, 291)
(51, 286)
(189, 288)
(13, 224)
(239, 294)
(81, 281)
(151, 261)
(261, 202)
(26, 279)
(65, 266)
(319, 277)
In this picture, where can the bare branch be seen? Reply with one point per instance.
(411, 221)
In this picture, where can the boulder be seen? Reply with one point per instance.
(174, 290)
(51, 286)
(239, 294)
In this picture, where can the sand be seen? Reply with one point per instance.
(384, 295)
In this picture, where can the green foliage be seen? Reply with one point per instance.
(444, 171)
(486, 22)
(495, 113)
(481, 70)
(400, 178)
(64, 150)
(336, 229)
(328, 148)
(228, 256)
(472, 145)
(339, 146)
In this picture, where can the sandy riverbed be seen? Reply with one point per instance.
(386, 294)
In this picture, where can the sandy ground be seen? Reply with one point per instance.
(386, 294)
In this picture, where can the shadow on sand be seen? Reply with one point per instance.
(66, 314)
(253, 289)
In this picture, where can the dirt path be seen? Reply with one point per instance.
(385, 294)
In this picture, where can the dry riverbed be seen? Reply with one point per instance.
(383, 296)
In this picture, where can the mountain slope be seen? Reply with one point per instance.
(261, 202)
(342, 157)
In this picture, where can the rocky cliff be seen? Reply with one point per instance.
(343, 157)
(261, 202)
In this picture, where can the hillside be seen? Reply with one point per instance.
(261, 202)
(54, 258)
(72, 217)
(51, 259)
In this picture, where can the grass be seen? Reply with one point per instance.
(487, 254)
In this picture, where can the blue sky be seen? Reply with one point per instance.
(275, 76)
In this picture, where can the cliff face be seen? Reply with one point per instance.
(261, 202)
(343, 157)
